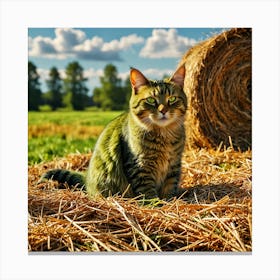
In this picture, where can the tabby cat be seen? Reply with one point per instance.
(139, 153)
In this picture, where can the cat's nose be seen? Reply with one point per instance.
(162, 109)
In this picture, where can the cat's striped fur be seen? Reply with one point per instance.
(139, 152)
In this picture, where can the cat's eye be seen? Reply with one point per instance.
(151, 100)
(172, 99)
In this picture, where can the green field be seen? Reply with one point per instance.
(56, 134)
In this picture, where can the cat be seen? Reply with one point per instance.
(139, 152)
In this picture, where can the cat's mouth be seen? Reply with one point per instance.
(160, 120)
(163, 120)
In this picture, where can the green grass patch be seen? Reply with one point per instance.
(74, 118)
(44, 149)
(62, 133)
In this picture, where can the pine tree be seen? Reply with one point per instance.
(54, 96)
(34, 91)
(110, 96)
(74, 87)
(127, 92)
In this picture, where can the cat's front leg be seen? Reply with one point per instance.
(143, 185)
(169, 188)
(147, 191)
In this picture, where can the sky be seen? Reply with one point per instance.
(154, 51)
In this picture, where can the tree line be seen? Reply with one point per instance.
(71, 92)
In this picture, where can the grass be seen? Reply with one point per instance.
(215, 213)
(44, 149)
(73, 117)
(56, 134)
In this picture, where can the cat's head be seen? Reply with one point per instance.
(158, 103)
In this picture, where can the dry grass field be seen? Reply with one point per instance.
(214, 215)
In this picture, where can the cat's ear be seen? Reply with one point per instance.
(179, 76)
(137, 79)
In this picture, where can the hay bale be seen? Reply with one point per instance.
(218, 87)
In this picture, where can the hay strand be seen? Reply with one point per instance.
(218, 87)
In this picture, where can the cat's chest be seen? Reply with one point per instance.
(157, 159)
(154, 153)
(160, 166)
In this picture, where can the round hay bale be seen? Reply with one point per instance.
(218, 87)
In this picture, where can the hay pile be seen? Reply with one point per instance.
(215, 215)
(218, 87)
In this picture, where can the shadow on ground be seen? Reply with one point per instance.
(212, 193)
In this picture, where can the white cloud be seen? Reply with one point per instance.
(41, 45)
(157, 74)
(91, 73)
(166, 43)
(123, 75)
(122, 44)
(67, 38)
(89, 44)
(62, 73)
(150, 73)
(44, 73)
(30, 43)
(70, 42)
(59, 47)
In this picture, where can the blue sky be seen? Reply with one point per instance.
(154, 51)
